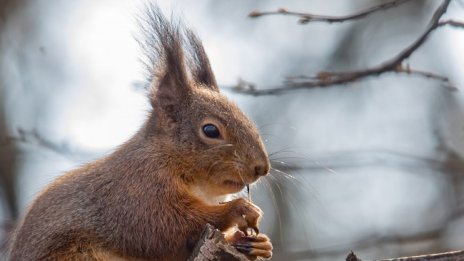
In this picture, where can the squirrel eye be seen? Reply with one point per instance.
(211, 131)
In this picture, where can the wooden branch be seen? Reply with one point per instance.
(35, 138)
(452, 23)
(394, 65)
(448, 256)
(305, 18)
(213, 247)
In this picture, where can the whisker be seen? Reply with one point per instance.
(292, 200)
(281, 162)
(285, 174)
(277, 209)
(284, 150)
(298, 184)
(315, 162)
(277, 185)
(293, 180)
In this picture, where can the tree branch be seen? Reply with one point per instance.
(394, 65)
(448, 256)
(34, 137)
(374, 240)
(305, 18)
(212, 247)
(452, 23)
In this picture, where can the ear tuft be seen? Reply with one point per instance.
(163, 44)
(164, 58)
(199, 63)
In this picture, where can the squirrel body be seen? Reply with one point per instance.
(152, 197)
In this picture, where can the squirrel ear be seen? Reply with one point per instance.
(165, 60)
(172, 86)
(200, 66)
(169, 92)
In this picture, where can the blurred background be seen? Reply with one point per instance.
(375, 166)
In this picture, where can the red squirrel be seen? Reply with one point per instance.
(153, 196)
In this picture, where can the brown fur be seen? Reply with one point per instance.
(139, 203)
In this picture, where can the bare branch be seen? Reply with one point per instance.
(394, 65)
(425, 74)
(34, 137)
(448, 256)
(369, 242)
(305, 18)
(373, 240)
(453, 23)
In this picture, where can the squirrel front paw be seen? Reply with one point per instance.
(255, 247)
(245, 215)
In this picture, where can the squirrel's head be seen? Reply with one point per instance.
(207, 139)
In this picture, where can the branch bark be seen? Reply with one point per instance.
(305, 18)
(212, 247)
(448, 256)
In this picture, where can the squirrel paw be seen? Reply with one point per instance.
(255, 247)
(245, 215)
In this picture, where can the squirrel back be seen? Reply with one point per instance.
(152, 197)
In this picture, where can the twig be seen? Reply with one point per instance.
(305, 18)
(453, 23)
(368, 242)
(394, 65)
(425, 74)
(448, 256)
(34, 137)
(364, 244)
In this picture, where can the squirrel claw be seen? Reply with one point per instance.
(252, 231)
(253, 246)
(256, 230)
(246, 249)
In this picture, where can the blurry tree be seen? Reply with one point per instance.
(350, 64)
(8, 150)
(375, 41)
(396, 64)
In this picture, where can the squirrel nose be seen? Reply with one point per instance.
(261, 170)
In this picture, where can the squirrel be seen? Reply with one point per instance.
(152, 197)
